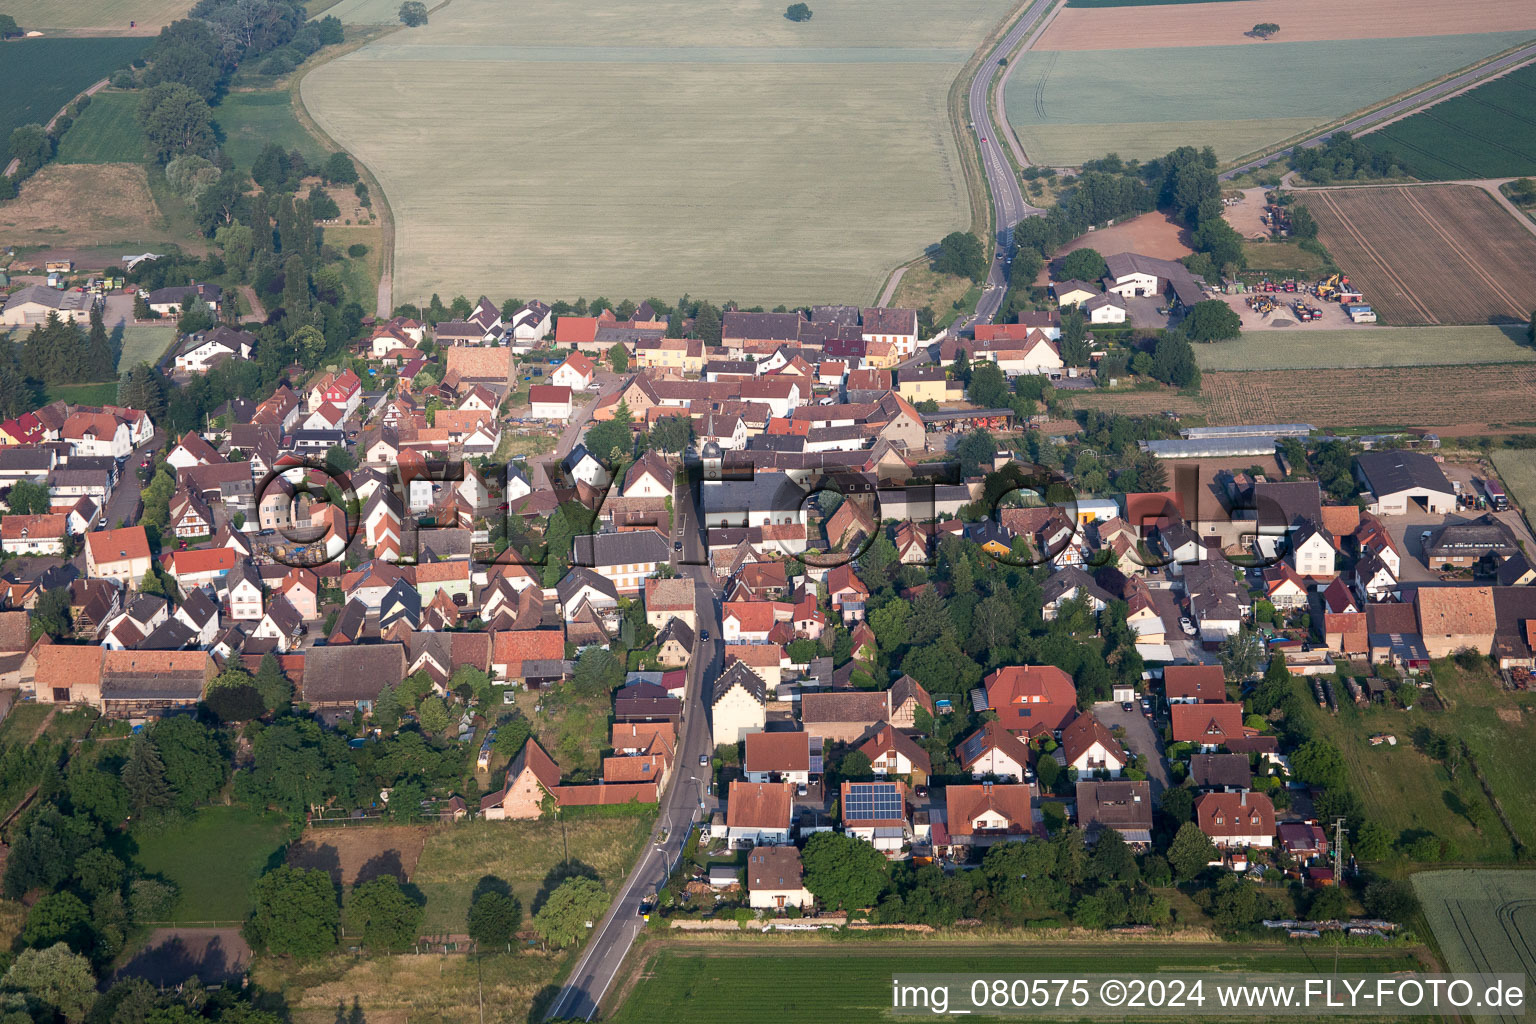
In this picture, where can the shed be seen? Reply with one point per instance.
(722, 876)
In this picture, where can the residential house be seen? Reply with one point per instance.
(781, 757)
(994, 752)
(668, 599)
(171, 301)
(1091, 748)
(759, 813)
(1031, 700)
(988, 813)
(774, 879)
(34, 534)
(1207, 726)
(1195, 684)
(348, 677)
(121, 554)
(202, 351)
(844, 716)
(1220, 771)
(549, 402)
(1235, 820)
(625, 559)
(533, 657)
(575, 373)
(847, 593)
(135, 684)
(739, 705)
(907, 696)
(893, 752)
(244, 591)
(1451, 618)
(877, 812)
(675, 644)
(532, 779)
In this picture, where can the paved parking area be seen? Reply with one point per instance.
(1141, 737)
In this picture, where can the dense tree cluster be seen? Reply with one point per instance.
(1344, 158)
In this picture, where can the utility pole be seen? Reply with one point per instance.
(1339, 832)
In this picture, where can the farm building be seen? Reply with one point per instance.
(1396, 478)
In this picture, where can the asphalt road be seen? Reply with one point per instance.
(1008, 203)
(685, 801)
(1450, 85)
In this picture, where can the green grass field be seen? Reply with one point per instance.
(250, 120)
(765, 172)
(107, 133)
(1489, 132)
(361, 12)
(1068, 106)
(1517, 468)
(214, 859)
(1483, 921)
(112, 15)
(1405, 790)
(1377, 346)
(104, 393)
(521, 853)
(1287, 257)
(22, 721)
(145, 345)
(42, 75)
(768, 982)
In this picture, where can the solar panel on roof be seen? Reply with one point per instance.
(872, 802)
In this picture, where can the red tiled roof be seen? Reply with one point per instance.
(1239, 814)
(1206, 723)
(763, 805)
(1202, 682)
(109, 546)
(1032, 698)
(778, 752)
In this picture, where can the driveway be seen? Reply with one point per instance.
(1140, 738)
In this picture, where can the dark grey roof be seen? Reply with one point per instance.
(1213, 771)
(170, 635)
(762, 326)
(1396, 470)
(286, 617)
(633, 547)
(30, 459)
(676, 629)
(1287, 504)
(580, 577)
(1512, 569)
(402, 599)
(1124, 806)
(199, 607)
(738, 674)
(349, 672)
(1068, 578)
(1477, 536)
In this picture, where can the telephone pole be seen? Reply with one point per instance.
(1339, 831)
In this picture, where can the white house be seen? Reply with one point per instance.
(1090, 748)
(1312, 551)
(204, 350)
(575, 373)
(774, 879)
(1236, 820)
(530, 323)
(98, 433)
(993, 751)
(549, 402)
(759, 813)
(33, 535)
(778, 757)
(1105, 309)
(739, 706)
(898, 327)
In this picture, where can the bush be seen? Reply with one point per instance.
(357, 250)
(280, 63)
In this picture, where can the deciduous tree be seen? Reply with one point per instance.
(564, 918)
(296, 912)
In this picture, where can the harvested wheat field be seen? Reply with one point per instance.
(1431, 254)
(353, 855)
(1430, 397)
(90, 204)
(1221, 24)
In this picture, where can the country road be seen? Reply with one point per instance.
(1393, 111)
(687, 799)
(1008, 203)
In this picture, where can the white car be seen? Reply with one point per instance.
(1187, 626)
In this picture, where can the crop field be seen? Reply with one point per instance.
(1438, 254)
(1379, 346)
(360, 12)
(1483, 921)
(99, 15)
(42, 75)
(1489, 132)
(1087, 25)
(1429, 397)
(664, 148)
(770, 982)
(107, 133)
(252, 119)
(1071, 105)
(214, 860)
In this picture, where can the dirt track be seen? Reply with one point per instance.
(1225, 24)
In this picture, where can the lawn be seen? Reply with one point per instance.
(770, 982)
(521, 853)
(1375, 346)
(250, 120)
(214, 859)
(22, 722)
(360, 274)
(920, 286)
(766, 171)
(145, 344)
(106, 133)
(1071, 105)
(1489, 132)
(42, 75)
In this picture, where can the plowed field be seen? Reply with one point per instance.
(1430, 397)
(1440, 254)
